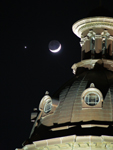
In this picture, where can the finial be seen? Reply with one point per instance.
(92, 85)
(46, 93)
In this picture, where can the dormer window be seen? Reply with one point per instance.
(92, 97)
(48, 105)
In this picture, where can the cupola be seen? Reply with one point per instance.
(96, 37)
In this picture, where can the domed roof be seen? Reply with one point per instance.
(73, 112)
(70, 103)
(100, 11)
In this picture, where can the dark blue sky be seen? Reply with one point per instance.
(25, 74)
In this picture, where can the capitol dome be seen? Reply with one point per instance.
(80, 114)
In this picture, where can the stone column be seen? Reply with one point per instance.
(98, 43)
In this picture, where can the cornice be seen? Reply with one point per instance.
(73, 142)
(88, 23)
(90, 63)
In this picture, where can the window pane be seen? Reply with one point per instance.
(92, 99)
(48, 106)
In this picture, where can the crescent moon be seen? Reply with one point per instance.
(56, 50)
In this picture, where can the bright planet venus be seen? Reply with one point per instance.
(54, 46)
(25, 47)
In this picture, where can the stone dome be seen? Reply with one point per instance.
(80, 113)
(72, 112)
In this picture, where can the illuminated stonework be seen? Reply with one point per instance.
(47, 105)
(92, 98)
(83, 26)
(73, 143)
(90, 64)
(96, 35)
(79, 116)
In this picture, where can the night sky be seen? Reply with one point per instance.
(26, 74)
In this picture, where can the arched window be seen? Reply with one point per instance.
(92, 97)
(48, 106)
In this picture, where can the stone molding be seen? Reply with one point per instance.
(89, 23)
(73, 142)
(90, 63)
